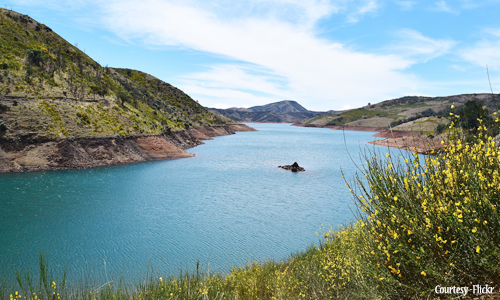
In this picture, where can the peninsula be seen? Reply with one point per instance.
(60, 109)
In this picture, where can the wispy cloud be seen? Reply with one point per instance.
(413, 45)
(309, 67)
(361, 9)
(406, 5)
(473, 4)
(443, 7)
(272, 49)
(484, 52)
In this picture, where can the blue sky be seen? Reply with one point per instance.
(324, 54)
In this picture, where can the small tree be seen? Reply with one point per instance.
(123, 96)
(36, 57)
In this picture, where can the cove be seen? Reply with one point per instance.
(228, 205)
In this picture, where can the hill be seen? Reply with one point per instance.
(51, 91)
(409, 122)
(286, 111)
(406, 113)
(282, 107)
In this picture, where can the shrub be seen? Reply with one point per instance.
(440, 128)
(84, 118)
(3, 107)
(435, 219)
(36, 57)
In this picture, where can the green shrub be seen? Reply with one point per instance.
(84, 118)
(434, 220)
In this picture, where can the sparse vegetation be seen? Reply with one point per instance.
(405, 111)
(53, 76)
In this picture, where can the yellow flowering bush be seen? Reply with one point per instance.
(434, 219)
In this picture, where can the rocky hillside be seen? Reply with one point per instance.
(405, 114)
(413, 123)
(52, 91)
(286, 111)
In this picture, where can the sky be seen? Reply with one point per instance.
(324, 54)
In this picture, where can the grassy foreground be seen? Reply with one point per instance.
(423, 223)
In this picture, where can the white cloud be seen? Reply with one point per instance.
(241, 79)
(314, 70)
(472, 4)
(483, 53)
(458, 68)
(272, 48)
(406, 5)
(413, 45)
(365, 7)
(443, 6)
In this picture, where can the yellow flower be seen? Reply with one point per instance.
(485, 222)
(161, 279)
(452, 106)
(423, 273)
(451, 264)
(478, 249)
(474, 230)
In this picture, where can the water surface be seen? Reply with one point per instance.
(229, 205)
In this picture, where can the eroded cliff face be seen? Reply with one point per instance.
(26, 155)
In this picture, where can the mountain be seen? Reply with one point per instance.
(282, 107)
(51, 92)
(286, 111)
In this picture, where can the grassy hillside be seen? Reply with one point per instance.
(50, 89)
(407, 113)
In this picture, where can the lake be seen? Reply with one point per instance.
(227, 206)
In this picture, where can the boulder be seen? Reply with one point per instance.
(294, 168)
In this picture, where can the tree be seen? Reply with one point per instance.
(36, 57)
(123, 96)
(471, 114)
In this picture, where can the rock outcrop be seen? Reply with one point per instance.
(294, 168)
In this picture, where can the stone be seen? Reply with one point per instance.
(294, 167)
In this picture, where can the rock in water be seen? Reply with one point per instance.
(294, 168)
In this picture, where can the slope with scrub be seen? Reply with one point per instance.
(52, 94)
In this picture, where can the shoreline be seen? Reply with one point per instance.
(82, 153)
(405, 140)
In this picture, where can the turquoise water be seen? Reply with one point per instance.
(229, 205)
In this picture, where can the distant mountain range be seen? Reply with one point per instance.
(286, 111)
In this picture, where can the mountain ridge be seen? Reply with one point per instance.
(285, 111)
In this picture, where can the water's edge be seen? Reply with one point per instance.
(26, 155)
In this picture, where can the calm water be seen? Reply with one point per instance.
(228, 205)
